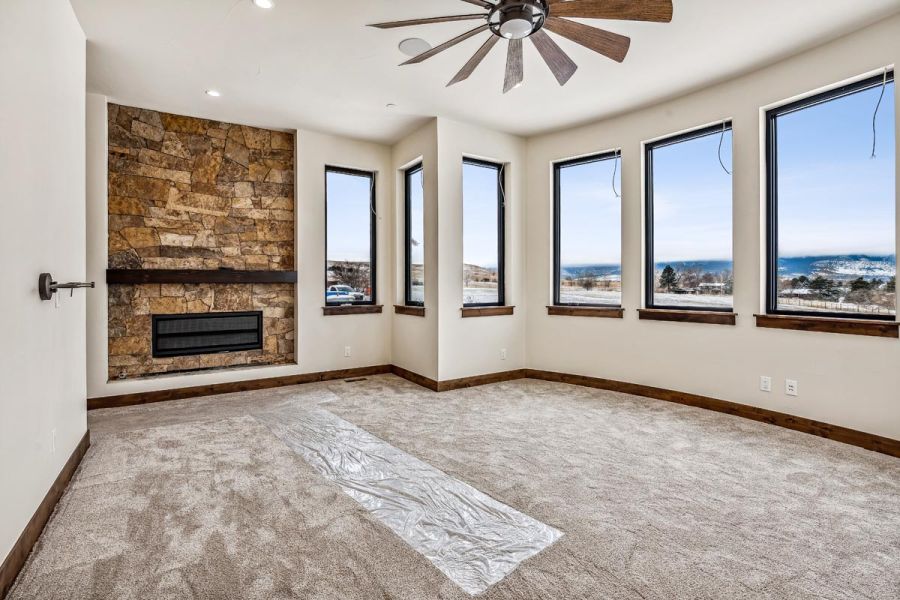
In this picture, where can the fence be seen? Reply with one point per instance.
(824, 305)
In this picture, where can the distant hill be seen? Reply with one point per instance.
(839, 267)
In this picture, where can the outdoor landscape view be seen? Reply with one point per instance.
(481, 234)
(348, 274)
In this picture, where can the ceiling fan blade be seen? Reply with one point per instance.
(448, 44)
(476, 59)
(647, 10)
(559, 62)
(609, 44)
(515, 71)
(481, 3)
(393, 24)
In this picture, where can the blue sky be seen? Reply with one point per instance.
(834, 199)
(692, 200)
(417, 218)
(590, 214)
(348, 217)
(479, 215)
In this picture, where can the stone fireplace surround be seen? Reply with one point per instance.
(190, 193)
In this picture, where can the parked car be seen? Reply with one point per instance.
(343, 293)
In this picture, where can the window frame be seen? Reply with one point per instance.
(557, 224)
(771, 142)
(407, 286)
(373, 272)
(501, 230)
(649, 259)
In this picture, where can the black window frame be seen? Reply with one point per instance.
(649, 259)
(772, 192)
(407, 287)
(501, 230)
(373, 271)
(557, 223)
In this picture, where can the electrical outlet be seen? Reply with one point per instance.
(502, 353)
(765, 383)
(53, 441)
(346, 351)
(791, 388)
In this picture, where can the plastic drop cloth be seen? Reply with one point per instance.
(473, 539)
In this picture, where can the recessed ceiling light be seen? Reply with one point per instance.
(264, 3)
(390, 105)
(414, 46)
(213, 93)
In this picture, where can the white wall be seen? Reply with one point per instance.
(42, 177)
(415, 339)
(320, 339)
(472, 346)
(845, 380)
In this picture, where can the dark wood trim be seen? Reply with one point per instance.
(425, 382)
(235, 386)
(456, 384)
(486, 311)
(351, 309)
(687, 316)
(413, 311)
(476, 380)
(889, 329)
(837, 433)
(605, 312)
(17, 556)
(141, 276)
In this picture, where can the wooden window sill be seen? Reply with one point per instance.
(889, 329)
(603, 312)
(687, 316)
(413, 311)
(486, 311)
(351, 309)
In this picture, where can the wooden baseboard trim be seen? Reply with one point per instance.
(466, 382)
(14, 562)
(235, 386)
(837, 433)
(425, 382)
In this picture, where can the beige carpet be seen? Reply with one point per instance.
(197, 499)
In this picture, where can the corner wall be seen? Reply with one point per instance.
(42, 160)
(846, 380)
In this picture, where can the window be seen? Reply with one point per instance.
(415, 236)
(688, 219)
(482, 233)
(349, 237)
(831, 224)
(588, 231)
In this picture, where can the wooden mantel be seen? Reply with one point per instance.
(140, 276)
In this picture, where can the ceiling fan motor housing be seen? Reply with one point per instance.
(517, 19)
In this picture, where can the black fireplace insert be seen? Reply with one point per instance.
(206, 333)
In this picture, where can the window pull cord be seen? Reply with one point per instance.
(875, 115)
(722, 139)
(372, 195)
(615, 171)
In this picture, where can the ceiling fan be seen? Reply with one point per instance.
(515, 20)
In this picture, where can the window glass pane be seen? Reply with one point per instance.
(692, 260)
(836, 229)
(590, 233)
(481, 234)
(416, 241)
(348, 249)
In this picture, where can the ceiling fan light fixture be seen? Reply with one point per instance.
(517, 22)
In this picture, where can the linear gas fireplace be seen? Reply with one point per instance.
(206, 333)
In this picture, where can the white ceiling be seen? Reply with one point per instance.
(314, 64)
